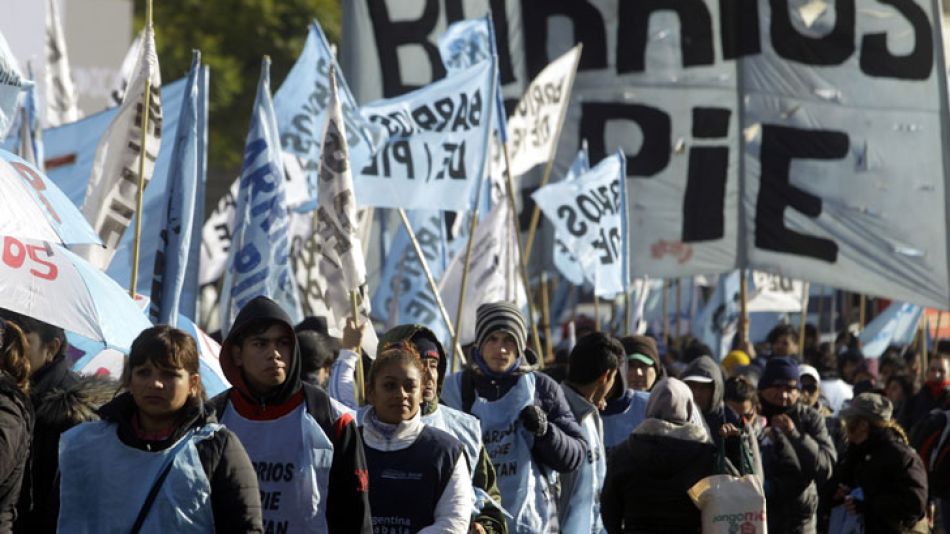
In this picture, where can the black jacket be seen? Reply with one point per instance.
(794, 466)
(347, 493)
(61, 399)
(893, 479)
(648, 476)
(16, 427)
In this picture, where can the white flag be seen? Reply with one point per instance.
(338, 267)
(493, 271)
(121, 81)
(533, 126)
(61, 99)
(774, 293)
(114, 181)
(11, 83)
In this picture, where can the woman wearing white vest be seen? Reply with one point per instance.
(527, 425)
(592, 369)
(418, 476)
(157, 461)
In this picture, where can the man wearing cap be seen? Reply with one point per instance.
(704, 379)
(488, 519)
(890, 474)
(627, 399)
(797, 453)
(527, 425)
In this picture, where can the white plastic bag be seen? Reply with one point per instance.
(730, 505)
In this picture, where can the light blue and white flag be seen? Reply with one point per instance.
(896, 325)
(300, 105)
(404, 295)
(187, 172)
(564, 258)
(717, 323)
(437, 139)
(11, 83)
(464, 44)
(589, 212)
(70, 150)
(259, 259)
(110, 200)
(26, 134)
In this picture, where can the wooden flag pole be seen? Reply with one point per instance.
(924, 356)
(137, 241)
(679, 308)
(743, 309)
(360, 392)
(862, 303)
(596, 313)
(523, 267)
(546, 316)
(666, 314)
(806, 287)
(937, 327)
(549, 166)
(432, 285)
(473, 225)
(626, 311)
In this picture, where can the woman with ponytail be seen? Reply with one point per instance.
(16, 419)
(890, 475)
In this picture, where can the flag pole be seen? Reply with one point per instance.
(360, 391)
(679, 308)
(549, 166)
(924, 356)
(465, 268)
(137, 241)
(666, 314)
(596, 313)
(546, 315)
(432, 285)
(862, 303)
(523, 266)
(806, 287)
(743, 309)
(626, 311)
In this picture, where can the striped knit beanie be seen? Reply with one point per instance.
(503, 316)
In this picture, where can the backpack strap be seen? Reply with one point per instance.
(157, 485)
(467, 390)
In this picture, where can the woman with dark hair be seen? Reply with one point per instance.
(61, 399)
(157, 461)
(889, 473)
(16, 419)
(418, 475)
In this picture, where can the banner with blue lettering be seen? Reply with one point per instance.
(805, 139)
(404, 295)
(589, 213)
(436, 145)
(896, 325)
(259, 258)
(565, 258)
(174, 256)
(300, 105)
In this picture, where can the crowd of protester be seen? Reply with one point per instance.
(610, 436)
